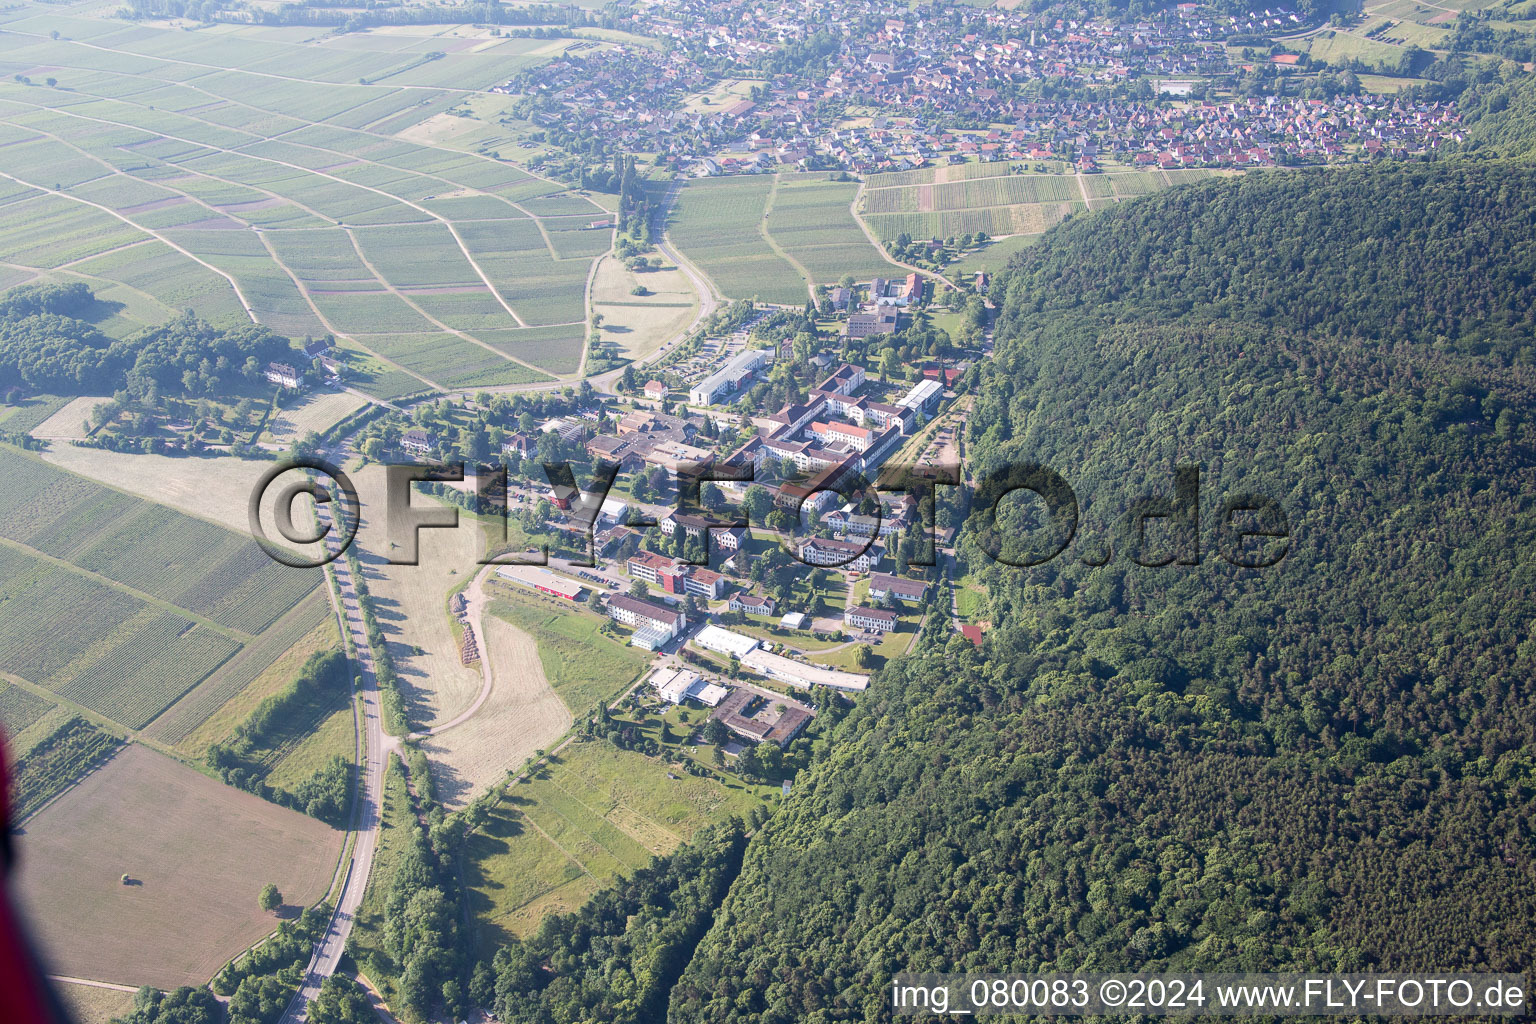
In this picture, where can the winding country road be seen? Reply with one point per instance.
(474, 614)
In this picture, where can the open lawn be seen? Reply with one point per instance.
(197, 853)
(593, 813)
(890, 645)
(641, 324)
(993, 256)
(583, 666)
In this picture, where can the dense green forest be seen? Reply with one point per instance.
(1501, 118)
(45, 345)
(1326, 763)
(616, 959)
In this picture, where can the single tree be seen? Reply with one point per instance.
(270, 899)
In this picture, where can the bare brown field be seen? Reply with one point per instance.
(521, 715)
(411, 602)
(213, 487)
(198, 852)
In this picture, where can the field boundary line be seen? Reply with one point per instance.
(249, 310)
(618, 803)
(600, 817)
(403, 297)
(258, 74)
(457, 238)
(159, 602)
(191, 84)
(853, 210)
(64, 268)
(40, 808)
(773, 243)
(93, 984)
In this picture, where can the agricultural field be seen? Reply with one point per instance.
(154, 601)
(941, 203)
(640, 324)
(718, 224)
(52, 764)
(209, 713)
(592, 813)
(259, 174)
(196, 853)
(812, 221)
(19, 708)
(30, 413)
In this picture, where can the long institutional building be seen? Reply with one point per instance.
(831, 436)
(748, 650)
(729, 378)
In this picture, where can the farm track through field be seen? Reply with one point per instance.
(452, 230)
(159, 602)
(783, 253)
(217, 212)
(390, 287)
(300, 283)
(853, 210)
(106, 282)
(300, 125)
(240, 295)
(219, 67)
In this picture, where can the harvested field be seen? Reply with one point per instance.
(199, 852)
(521, 715)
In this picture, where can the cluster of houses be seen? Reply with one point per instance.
(960, 65)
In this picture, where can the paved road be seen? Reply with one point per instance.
(377, 746)
(367, 814)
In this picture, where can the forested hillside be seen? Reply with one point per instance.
(1326, 763)
(1501, 118)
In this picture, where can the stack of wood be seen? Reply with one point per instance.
(469, 648)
